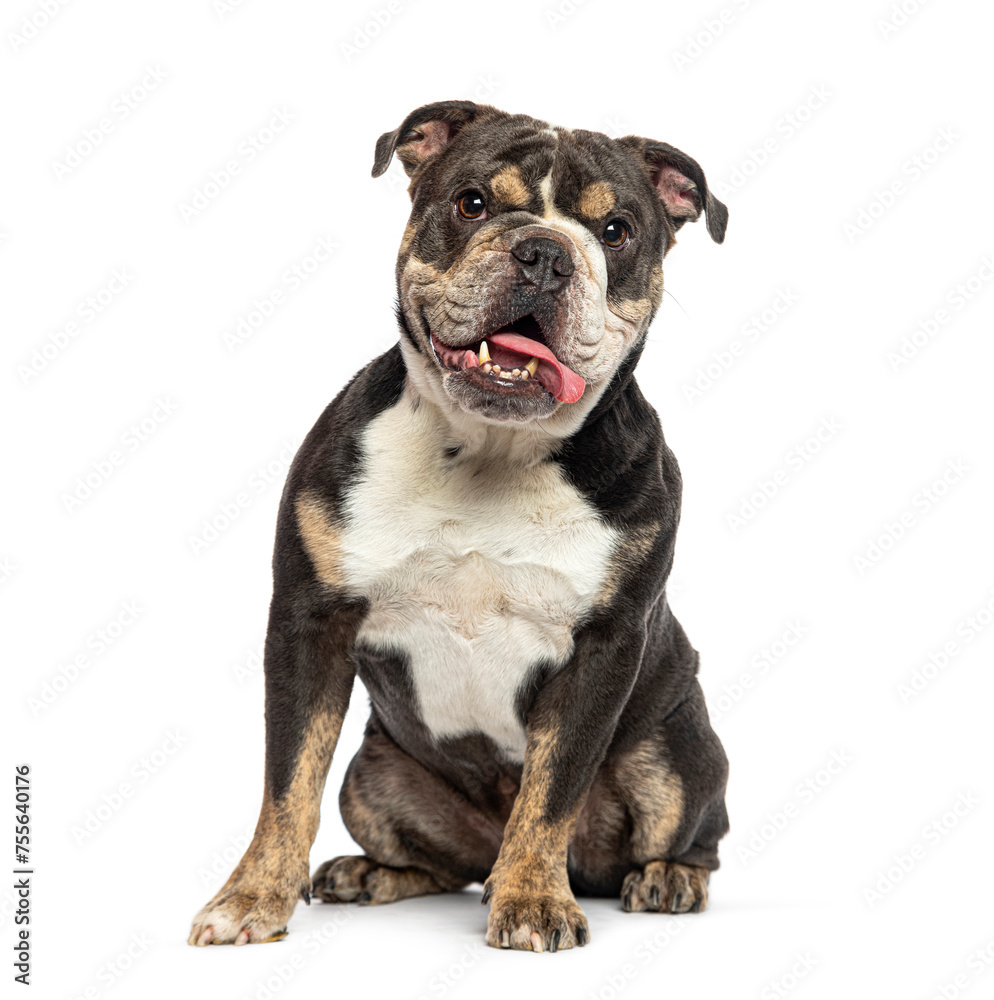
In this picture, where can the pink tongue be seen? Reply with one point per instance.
(560, 381)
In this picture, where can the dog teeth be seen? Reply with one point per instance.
(487, 366)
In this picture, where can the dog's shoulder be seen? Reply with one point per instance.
(620, 462)
(324, 466)
(326, 459)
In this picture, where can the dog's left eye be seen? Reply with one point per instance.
(615, 234)
(472, 206)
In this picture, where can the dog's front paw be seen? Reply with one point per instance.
(666, 888)
(236, 916)
(534, 921)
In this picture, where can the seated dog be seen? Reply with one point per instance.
(481, 526)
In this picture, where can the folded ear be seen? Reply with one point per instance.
(680, 184)
(424, 133)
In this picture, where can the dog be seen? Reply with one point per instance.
(480, 526)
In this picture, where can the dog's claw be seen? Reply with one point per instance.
(207, 935)
(243, 937)
(581, 936)
(554, 943)
(486, 895)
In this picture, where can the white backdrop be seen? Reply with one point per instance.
(195, 259)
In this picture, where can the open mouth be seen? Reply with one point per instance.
(514, 355)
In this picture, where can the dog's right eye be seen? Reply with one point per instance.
(472, 206)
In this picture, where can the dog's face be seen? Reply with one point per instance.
(532, 263)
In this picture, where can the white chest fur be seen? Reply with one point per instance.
(476, 567)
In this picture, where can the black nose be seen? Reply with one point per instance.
(545, 263)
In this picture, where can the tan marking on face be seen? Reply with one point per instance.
(596, 200)
(409, 233)
(656, 286)
(632, 311)
(510, 187)
(633, 549)
(322, 539)
(654, 794)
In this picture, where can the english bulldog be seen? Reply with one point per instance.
(480, 526)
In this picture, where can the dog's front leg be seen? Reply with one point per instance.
(569, 727)
(309, 676)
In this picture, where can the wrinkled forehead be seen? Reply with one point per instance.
(529, 165)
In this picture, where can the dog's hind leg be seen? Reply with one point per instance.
(359, 879)
(420, 835)
(651, 824)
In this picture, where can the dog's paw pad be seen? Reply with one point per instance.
(664, 887)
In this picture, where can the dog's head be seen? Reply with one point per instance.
(532, 263)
